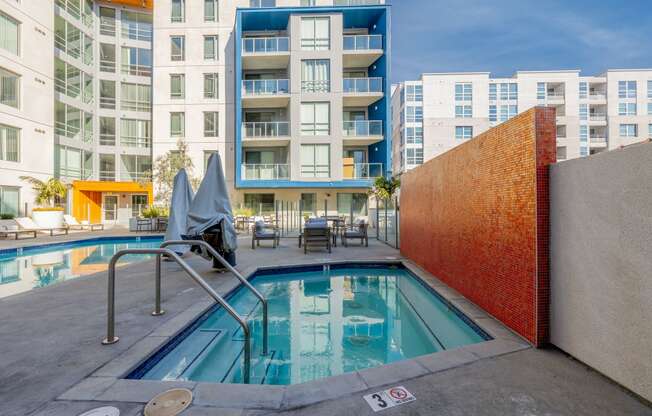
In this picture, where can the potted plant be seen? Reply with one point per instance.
(48, 193)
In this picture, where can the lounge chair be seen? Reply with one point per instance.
(10, 228)
(27, 224)
(264, 231)
(315, 233)
(354, 231)
(72, 224)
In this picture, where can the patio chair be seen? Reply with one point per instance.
(72, 224)
(143, 224)
(27, 224)
(9, 228)
(263, 231)
(316, 234)
(354, 231)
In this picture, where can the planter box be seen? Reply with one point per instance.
(48, 219)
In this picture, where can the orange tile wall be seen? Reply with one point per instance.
(477, 218)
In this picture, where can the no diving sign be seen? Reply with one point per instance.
(389, 398)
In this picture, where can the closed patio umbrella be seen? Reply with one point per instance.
(182, 196)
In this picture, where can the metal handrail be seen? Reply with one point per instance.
(230, 268)
(110, 331)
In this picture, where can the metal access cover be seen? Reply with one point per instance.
(103, 411)
(169, 403)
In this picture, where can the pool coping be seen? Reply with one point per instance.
(107, 383)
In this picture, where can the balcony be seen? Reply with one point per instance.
(362, 132)
(356, 2)
(263, 172)
(133, 141)
(598, 118)
(265, 53)
(361, 170)
(265, 93)
(107, 176)
(598, 140)
(138, 70)
(267, 133)
(361, 51)
(555, 96)
(598, 97)
(128, 176)
(362, 92)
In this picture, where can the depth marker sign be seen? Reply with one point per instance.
(389, 398)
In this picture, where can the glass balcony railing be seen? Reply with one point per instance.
(107, 175)
(363, 128)
(266, 129)
(265, 86)
(362, 170)
(265, 45)
(356, 2)
(362, 42)
(363, 85)
(128, 176)
(265, 171)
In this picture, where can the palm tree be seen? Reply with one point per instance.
(48, 192)
(385, 188)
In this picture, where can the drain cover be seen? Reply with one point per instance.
(103, 411)
(169, 403)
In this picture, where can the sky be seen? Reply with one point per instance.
(503, 36)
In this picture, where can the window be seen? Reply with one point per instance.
(584, 151)
(626, 89)
(315, 33)
(177, 85)
(138, 203)
(507, 112)
(414, 135)
(463, 111)
(315, 119)
(260, 203)
(262, 3)
(584, 133)
(315, 75)
(414, 156)
(135, 133)
(177, 124)
(493, 113)
(583, 91)
(513, 91)
(309, 203)
(414, 92)
(584, 112)
(210, 85)
(210, 11)
(649, 131)
(414, 114)
(561, 153)
(315, 160)
(9, 88)
(649, 89)
(541, 90)
(136, 97)
(307, 3)
(626, 109)
(463, 132)
(9, 143)
(463, 92)
(210, 48)
(107, 131)
(211, 124)
(649, 109)
(493, 91)
(107, 57)
(178, 11)
(178, 48)
(352, 205)
(136, 61)
(628, 130)
(9, 34)
(107, 94)
(9, 200)
(137, 26)
(504, 91)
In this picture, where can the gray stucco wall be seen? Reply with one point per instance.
(601, 263)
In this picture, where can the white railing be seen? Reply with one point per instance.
(107, 66)
(136, 31)
(134, 69)
(363, 42)
(266, 129)
(363, 128)
(63, 129)
(107, 102)
(134, 176)
(598, 117)
(132, 141)
(107, 175)
(107, 139)
(362, 170)
(555, 94)
(597, 96)
(135, 105)
(265, 86)
(265, 45)
(265, 171)
(598, 139)
(363, 85)
(107, 27)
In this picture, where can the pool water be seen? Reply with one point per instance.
(321, 323)
(29, 268)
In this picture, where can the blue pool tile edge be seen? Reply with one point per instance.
(27, 249)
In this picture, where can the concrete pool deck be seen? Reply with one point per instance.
(50, 345)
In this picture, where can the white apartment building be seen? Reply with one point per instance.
(594, 113)
(76, 104)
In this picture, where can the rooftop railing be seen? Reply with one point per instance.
(363, 128)
(362, 42)
(363, 85)
(265, 45)
(265, 86)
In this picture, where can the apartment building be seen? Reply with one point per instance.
(293, 94)
(594, 113)
(76, 104)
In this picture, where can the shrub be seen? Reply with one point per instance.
(7, 216)
(245, 212)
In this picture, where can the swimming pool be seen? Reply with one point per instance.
(322, 322)
(28, 268)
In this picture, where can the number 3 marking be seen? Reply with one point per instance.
(381, 402)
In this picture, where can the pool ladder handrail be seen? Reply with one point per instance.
(110, 331)
(230, 268)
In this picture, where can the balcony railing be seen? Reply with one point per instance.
(265, 172)
(107, 175)
(127, 176)
(362, 170)
(265, 86)
(598, 117)
(598, 139)
(107, 27)
(136, 31)
(266, 129)
(356, 2)
(140, 70)
(107, 102)
(363, 85)
(363, 128)
(597, 96)
(555, 94)
(107, 139)
(265, 45)
(131, 141)
(135, 105)
(362, 42)
(107, 66)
